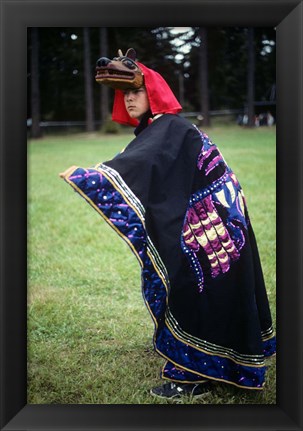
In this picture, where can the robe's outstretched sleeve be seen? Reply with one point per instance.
(171, 196)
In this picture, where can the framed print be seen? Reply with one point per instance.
(17, 17)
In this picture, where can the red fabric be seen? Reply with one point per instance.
(160, 96)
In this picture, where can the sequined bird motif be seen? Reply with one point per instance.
(215, 221)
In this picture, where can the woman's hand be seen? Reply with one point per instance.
(65, 173)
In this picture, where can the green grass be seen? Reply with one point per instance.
(89, 332)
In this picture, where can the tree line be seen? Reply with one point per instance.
(207, 68)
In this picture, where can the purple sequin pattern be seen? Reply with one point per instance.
(215, 220)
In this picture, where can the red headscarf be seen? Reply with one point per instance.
(160, 96)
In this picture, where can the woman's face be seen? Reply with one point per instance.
(136, 102)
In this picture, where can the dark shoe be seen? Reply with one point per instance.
(177, 390)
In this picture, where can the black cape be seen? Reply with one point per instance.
(171, 196)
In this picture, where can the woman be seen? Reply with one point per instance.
(171, 196)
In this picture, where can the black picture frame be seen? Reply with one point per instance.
(16, 16)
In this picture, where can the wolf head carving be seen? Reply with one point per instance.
(121, 72)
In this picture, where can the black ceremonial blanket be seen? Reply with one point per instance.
(171, 196)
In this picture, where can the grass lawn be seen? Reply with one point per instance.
(89, 332)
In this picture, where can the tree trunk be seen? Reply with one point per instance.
(181, 87)
(89, 104)
(203, 71)
(35, 89)
(104, 90)
(251, 78)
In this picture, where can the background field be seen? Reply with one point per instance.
(89, 332)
